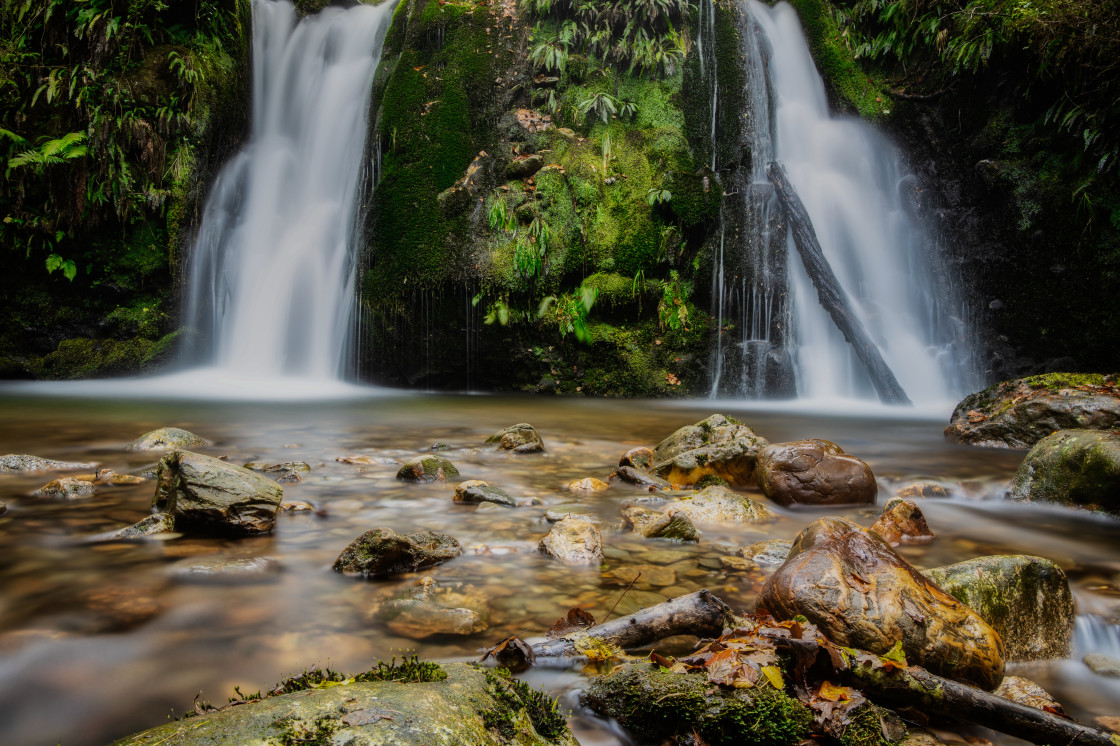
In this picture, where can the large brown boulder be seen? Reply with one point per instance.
(814, 472)
(203, 492)
(1023, 411)
(1072, 467)
(718, 445)
(861, 593)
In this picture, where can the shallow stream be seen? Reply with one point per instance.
(100, 640)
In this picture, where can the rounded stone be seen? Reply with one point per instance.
(574, 541)
(656, 524)
(166, 438)
(1103, 665)
(477, 491)
(519, 438)
(814, 472)
(588, 484)
(902, 522)
(718, 446)
(382, 552)
(427, 468)
(639, 458)
(66, 488)
(1072, 467)
(923, 489)
(719, 504)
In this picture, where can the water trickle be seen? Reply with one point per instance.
(272, 271)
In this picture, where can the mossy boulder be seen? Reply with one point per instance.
(814, 472)
(1072, 467)
(207, 494)
(862, 594)
(1021, 412)
(1027, 600)
(477, 491)
(717, 445)
(382, 552)
(657, 704)
(167, 438)
(470, 706)
(20, 462)
(427, 468)
(519, 438)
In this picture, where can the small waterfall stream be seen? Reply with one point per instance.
(271, 276)
(853, 183)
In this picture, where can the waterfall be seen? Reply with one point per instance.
(271, 289)
(854, 185)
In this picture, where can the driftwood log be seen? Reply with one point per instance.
(829, 292)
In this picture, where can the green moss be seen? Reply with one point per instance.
(88, 358)
(711, 480)
(297, 733)
(515, 698)
(865, 728)
(410, 670)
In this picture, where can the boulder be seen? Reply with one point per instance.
(427, 468)
(657, 524)
(463, 705)
(587, 484)
(477, 491)
(1027, 600)
(66, 488)
(718, 445)
(430, 609)
(862, 594)
(17, 462)
(721, 505)
(524, 166)
(520, 438)
(1026, 692)
(575, 541)
(771, 553)
(1103, 665)
(1072, 467)
(1023, 411)
(902, 522)
(205, 493)
(640, 478)
(167, 438)
(923, 489)
(382, 552)
(814, 472)
(639, 458)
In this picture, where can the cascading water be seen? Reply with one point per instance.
(271, 288)
(853, 185)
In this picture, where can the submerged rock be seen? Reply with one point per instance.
(225, 571)
(1020, 412)
(902, 522)
(575, 541)
(463, 705)
(1072, 467)
(429, 609)
(717, 445)
(17, 462)
(166, 438)
(721, 505)
(658, 524)
(1027, 600)
(66, 488)
(477, 491)
(772, 553)
(862, 594)
(153, 525)
(814, 472)
(382, 552)
(427, 468)
(520, 438)
(1026, 692)
(923, 489)
(205, 493)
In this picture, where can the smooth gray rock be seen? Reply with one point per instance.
(717, 504)
(1103, 665)
(66, 488)
(771, 553)
(477, 491)
(207, 494)
(166, 438)
(18, 462)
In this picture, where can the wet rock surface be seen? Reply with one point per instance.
(207, 494)
(153, 525)
(575, 541)
(638, 458)
(902, 522)
(771, 553)
(1027, 600)
(1103, 664)
(717, 445)
(166, 438)
(588, 484)
(861, 593)
(429, 609)
(519, 438)
(660, 524)
(1020, 412)
(66, 488)
(1026, 692)
(640, 478)
(718, 504)
(477, 491)
(1072, 467)
(923, 489)
(427, 468)
(814, 472)
(226, 571)
(17, 462)
(382, 552)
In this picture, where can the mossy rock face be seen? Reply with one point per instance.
(470, 706)
(427, 468)
(382, 552)
(1021, 412)
(477, 491)
(656, 704)
(717, 445)
(1072, 467)
(1027, 600)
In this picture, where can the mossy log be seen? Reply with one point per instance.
(830, 293)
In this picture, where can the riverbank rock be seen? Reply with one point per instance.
(902, 522)
(382, 552)
(430, 609)
(1027, 600)
(480, 707)
(862, 594)
(519, 438)
(657, 705)
(19, 462)
(717, 445)
(477, 491)
(814, 472)
(719, 504)
(166, 438)
(1023, 411)
(66, 488)
(205, 493)
(660, 524)
(1026, 692)
(1072, 467)
(427, 468)
(574, 540)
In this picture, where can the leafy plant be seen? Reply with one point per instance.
(672, 310)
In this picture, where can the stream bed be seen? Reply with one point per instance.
(98, 640)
